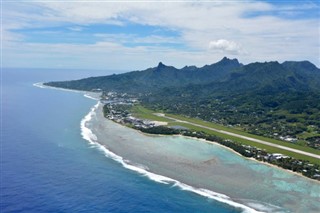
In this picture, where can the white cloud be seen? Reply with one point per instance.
(76, 28)
(197, 23)
(136, 40)
(101, 55)
(226, 46)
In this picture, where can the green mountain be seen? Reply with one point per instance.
(153, 79)
(269, 99)
(225, 76)
(252, 80)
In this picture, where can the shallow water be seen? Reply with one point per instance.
(46, 165)
(203, 165)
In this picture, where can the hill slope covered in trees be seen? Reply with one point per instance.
(271, 99)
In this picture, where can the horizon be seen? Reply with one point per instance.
(154, 66)
(133, 35)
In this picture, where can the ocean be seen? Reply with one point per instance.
(51, 161)
(46, 165)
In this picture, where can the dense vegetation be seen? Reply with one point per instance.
(159, 130)
(153, 79)
(270, 99)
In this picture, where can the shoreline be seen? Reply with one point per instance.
(174, 182)
(216, 143)
(97, 94)
(175, 174)
(253, 159)
(88, 134)
(87, 94)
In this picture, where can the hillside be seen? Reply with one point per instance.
(270, 99)
(155, 78)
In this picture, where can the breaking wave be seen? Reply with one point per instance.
(88, 135)
(86, 94)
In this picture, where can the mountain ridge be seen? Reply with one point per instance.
(291, 74)
(271, 99)
(154, 78)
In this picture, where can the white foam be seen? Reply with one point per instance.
(85, 131)
(41, 85)
(86, 94)
(259, 206)
(216, 196)
(265, 207)
(166, 180)
(88, 135)
(90, 97)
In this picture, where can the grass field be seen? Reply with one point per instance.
(220, 127)
(269, 149)
(144, 113)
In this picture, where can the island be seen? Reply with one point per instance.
(267, 111)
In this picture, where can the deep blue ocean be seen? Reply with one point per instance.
(46, 166)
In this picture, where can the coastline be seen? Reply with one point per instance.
(96, 96)
(119, 150)
(102, 145)
(228, 148)
(145, 171)
(87, 94)
(253, 159)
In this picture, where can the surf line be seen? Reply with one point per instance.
(88, 135)
(85, 94)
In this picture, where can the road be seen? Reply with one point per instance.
(243, 137)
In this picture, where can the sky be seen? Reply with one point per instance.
(134, 35)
